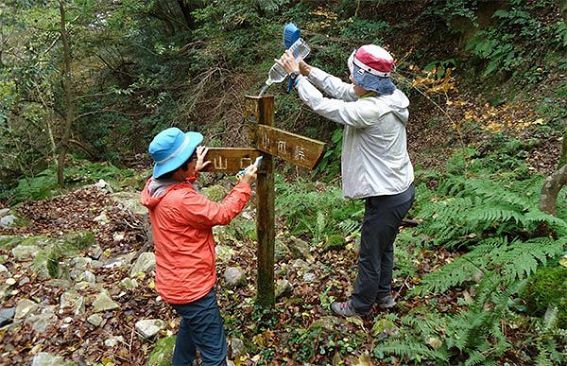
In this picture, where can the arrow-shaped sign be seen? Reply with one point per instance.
(295, 149)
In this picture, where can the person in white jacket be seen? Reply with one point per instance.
(375, 164)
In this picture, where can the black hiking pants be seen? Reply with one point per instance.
(382, 219)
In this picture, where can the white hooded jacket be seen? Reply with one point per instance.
(375, 161)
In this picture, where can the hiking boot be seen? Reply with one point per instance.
(386, 302)
(343, 309)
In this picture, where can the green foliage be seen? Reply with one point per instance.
(492, 213)
(330, 162)
(470, 210)
(545, 290)
(492, 260)
(507, 45)
(79, 172)
(309, 211)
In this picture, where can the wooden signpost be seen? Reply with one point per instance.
(269, 141)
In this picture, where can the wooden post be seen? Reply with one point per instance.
(265, 226)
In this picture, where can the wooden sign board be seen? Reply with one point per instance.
(295, 149)
(230, 159)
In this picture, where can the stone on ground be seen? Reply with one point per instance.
(149, 327)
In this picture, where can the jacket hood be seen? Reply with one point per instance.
(154, 191)
(398, 104)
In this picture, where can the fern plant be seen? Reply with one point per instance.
(495, 258)
(469, 210)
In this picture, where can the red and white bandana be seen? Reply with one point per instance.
(373, 60)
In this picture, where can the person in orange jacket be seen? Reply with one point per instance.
(182, 220)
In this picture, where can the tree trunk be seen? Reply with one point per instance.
(563, 9)
(554, 183)
(563, 157)
(68, 95)
(186, 9)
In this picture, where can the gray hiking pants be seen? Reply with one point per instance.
(382, 219)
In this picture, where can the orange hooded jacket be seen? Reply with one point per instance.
(182, 220)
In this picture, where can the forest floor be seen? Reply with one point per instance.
(317, 276)
(301, 325)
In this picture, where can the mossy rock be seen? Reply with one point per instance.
(547, 287)
(47, 260)
(79, 240)
(163, 352)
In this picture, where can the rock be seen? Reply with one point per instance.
(8, 221)
(113, 341)
(84, 286)
(6, 316)
(148, 328)
(95, 319)
(300, 248)
(104, 302)
(47, 359)
(89, 277)
(309, 277)
(11, 281)
(97, 264)
(80, 275)
(58, 282)
(236, 348)
(72, 300)
(383, 328)
(300, 265)
(24, 308)
(283, 287)
(118, 236)
(130, 201)
(23, 281)
(94, 251)
(329, 323)
(281, 250)
(103, 186)
(25, 252)
(163, 352)
(102, 218)
(4, 270)
(145, 263)
(234, 277)
(80, 263)
(224, 253)
(119, 262)
(129, 283)
(4, 212)
(41, 322)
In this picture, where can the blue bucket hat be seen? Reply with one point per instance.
(171, 148)
(370, 67)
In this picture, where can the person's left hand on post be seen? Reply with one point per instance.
(201, 153)
(289, 63)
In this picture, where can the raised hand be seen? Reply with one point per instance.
(201, 153)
